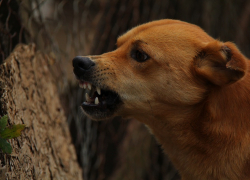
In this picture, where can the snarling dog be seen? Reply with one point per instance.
(192, 91)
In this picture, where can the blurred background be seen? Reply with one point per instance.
(117, 149)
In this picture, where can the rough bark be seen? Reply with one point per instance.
(30, 97)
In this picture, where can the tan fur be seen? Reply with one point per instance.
(193, 93)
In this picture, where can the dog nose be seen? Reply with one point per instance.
(82, 63)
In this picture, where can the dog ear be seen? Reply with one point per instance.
(221, 63)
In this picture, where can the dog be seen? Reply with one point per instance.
(190, 90)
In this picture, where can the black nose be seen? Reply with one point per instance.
(81, 65)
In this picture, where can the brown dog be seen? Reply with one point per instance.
(191, 90)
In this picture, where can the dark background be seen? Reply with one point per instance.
(115, 149)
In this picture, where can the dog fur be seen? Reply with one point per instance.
(193, 92)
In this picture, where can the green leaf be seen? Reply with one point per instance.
(14, 132)
(3, 122)
(5, 146)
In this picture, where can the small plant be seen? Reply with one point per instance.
(8, 133)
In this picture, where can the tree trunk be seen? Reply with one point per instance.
(29, 96)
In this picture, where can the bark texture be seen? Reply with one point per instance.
(30, 97)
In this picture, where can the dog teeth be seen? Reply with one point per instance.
(81, 85)
(98, 90)
(89, 86)
(85, 85)
(96, 100)
(87, 97)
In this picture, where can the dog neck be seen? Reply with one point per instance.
(217, 125)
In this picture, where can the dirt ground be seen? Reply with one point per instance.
(29, 96)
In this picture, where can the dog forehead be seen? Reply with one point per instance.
(134, 31)
(163, 30)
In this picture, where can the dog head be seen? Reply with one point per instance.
(156, 67)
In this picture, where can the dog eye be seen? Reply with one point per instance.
(139, 56)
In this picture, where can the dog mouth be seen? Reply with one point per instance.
(99, 103)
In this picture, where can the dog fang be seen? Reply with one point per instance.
(87, 97)
(96, 100)
(98, 90)
(89, 86)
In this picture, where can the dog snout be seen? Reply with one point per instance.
(81, 65)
